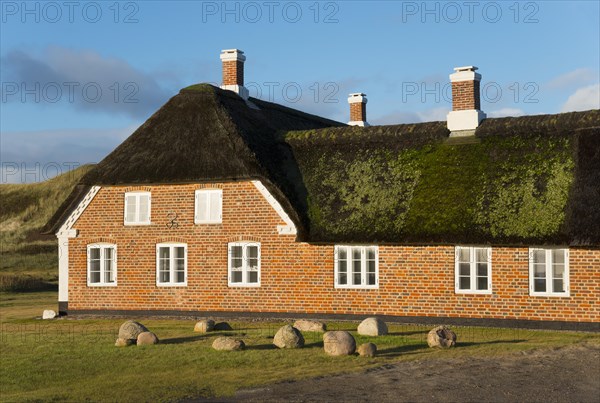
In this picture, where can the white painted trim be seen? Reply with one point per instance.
(228, 55)
(63, 234)
(238, 89)
(74, 216)
(102, 245)
(464, 120)
(349, 273)
(357, 97)
(63, 268)
(197, 194)
(137, 195)
(290, 227)
(465, 74)
(472, 270)
(171, 246)
(548, 264)
(245, 271)
(358, 123)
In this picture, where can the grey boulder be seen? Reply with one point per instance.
(204, 326)
(305, 325)
(367, 350)
(288, 337)
(339, 342)
(441, 337)
(228, 344)
(372, 327)
(146, 338)
(130, 330)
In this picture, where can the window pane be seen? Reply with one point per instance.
(180, 276)
(539, 270)
(94, 253)
(253, 264)
(202, 206)
(482, 283)
(482, 254)
(343, 253)
(558, 270)
(179, 252)
(236, 277)
(539, 256)
(215, 206)
(131, 204)
(94, 277)
(464, 255)
(558, 256)
(464, 283)
(539, 285)
(253, 277)
(164, 252)
(252, 251)
(144, 208)
(108, 265)
(236, 252)
(356, 266)
(482, 269)
(342, 278)
(464, 269)
(370, 254)
(558, 285)
(371, 279)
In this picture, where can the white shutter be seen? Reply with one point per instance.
(214, 205)
(202, 206)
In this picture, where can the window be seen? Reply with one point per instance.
(549, 272)
(244, 264)
(473, 270)
(209, 206)
(171, 264)
(102, 265)
(137, 208)
(356, 267)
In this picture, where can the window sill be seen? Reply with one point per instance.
(477, 292)
(550, 294)
(242, 285)
(208, 222)
(101, 285)
(136, 224)
(172, 284)
(356, 287)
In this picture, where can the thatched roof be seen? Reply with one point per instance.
(526, 180)
(206, 134)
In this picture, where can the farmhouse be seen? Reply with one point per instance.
(224, 204)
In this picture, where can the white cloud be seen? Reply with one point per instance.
(573, 78)
(505, 112)
(583, 99)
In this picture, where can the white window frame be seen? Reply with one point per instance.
(549, 274)
(472, 270)
(349, 272)
(208, 193)
(245, 270)
(171, 246)
(102, 246)
(137, 208)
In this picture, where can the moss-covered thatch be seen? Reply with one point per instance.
(529, 180)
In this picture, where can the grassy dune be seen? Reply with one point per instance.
(28, 259)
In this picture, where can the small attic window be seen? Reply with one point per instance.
(137, 208)
(209, 206)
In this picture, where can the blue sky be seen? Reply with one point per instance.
(79, 77)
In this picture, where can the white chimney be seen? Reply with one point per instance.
(466, 114)
(233, 72)
(358, 109)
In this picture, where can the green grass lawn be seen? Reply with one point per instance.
(76, 360)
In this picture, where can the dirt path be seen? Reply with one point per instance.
(570, 374)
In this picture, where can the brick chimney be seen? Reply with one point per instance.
(358, 109)
(233, 72)
(466, 114)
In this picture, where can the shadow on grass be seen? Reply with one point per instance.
(181, 340)
(408, 333)
(483, 343)
(401, 350)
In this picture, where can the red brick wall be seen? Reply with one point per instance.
(465, 95)
(233, 72)
(299, 277)
(358, 112)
